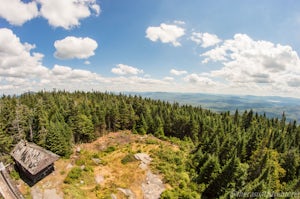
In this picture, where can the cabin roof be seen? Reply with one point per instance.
(32, 157)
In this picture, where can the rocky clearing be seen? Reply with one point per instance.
(110, 177)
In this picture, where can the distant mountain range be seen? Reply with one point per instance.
(272, 106)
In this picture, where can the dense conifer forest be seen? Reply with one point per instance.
(228, 154)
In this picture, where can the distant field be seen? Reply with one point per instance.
(273, 106)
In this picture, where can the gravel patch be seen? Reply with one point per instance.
(37, 193)
(51, 194)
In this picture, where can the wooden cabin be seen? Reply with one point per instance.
(33, 161)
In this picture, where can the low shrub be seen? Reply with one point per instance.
(73, 175)
(128, 158)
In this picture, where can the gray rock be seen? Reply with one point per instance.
(113, 196)
(127, 193)
(96, 160)
(78, 149)
(99, 179)
(69, 166)
(153, 186)
(144, 158)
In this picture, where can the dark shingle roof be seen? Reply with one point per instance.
(33, 157)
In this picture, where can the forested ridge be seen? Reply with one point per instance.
(227, 153)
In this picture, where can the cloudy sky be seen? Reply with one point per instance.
(225, 46)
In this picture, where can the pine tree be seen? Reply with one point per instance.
(56, 141)
(209, 170)
(159, 127)
(141, 126)
(5, 142)
(83, 129)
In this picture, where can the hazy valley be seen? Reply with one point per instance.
(272, 106)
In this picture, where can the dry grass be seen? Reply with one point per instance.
(115, 174)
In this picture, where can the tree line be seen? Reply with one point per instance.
(244, 151)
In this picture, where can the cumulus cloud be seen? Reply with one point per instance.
(66, 73)
(199, 79)
(166, 33)
(178, 72)
(87, 62)
(67, 13)
(205, 39)
(122, 69)
(19, 66)
(16, 59)
(169, 79)
(75, 47)
(21, 70)
(262, 65)
(293, 81)
(16, 12)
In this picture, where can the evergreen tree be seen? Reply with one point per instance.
(83, 129)
(56, 141)
(209, 171)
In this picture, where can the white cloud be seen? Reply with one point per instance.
(19, 67)
(257, 67)
(166, 33)
(96, 8)
(16, 60)
(16, 12)
(169, 79)
(205, 39)
(21, 70)
(68, 74)
(87, 62)
(247, 67)
(67, 13)
(75, 47)
(198, 79)
(179, 22)
(123, 69)
(178, 72)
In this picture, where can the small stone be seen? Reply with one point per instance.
(69, 166)
(127, 193)
(99, 179)
(96, 160)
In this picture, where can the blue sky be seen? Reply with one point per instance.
(224, 46)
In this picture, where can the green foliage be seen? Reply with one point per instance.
(5, 142)
(58, 139)
(110, 149)
(74, 175)
(128, 158)
(217, 152)
(14, 175)
(83, 128)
